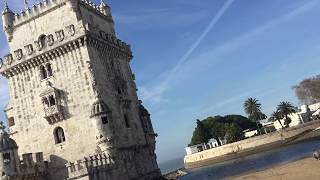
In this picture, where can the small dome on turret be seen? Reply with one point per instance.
(105, 9)
(99, 107)
(7, 22)
(6, 143)
(7, 10)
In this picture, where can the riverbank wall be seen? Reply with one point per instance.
(254, 145)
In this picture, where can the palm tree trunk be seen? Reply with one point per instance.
(259, 130)
(280, 124)
(287, 125)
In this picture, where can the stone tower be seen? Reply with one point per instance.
(73, 95)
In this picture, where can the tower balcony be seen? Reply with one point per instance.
(54, 114)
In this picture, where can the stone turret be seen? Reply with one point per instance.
(8, 20)
(102, 120)
(9, 159)
(105, 9)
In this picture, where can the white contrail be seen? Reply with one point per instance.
(164, 85)
(212, 23)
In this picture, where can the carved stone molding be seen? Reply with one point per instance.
(29, 49)
(8, 58)
(50, 40)
(111, 49)
(60, 35)
(38, 45)
(18, 54)
(71, 30)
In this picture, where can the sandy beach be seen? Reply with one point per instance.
(307, 169)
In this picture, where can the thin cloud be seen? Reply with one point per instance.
(155, 94)
(168, 79)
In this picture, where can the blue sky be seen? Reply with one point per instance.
(196, 59)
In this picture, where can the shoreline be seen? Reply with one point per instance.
(307, 168)
(236, 150)
(254, 163)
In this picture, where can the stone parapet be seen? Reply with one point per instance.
(36, 10)
(97, 165)
(45, 6)
(33, 165)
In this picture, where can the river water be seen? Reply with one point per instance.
(254, 162)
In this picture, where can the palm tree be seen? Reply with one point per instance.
(276, 116)
(252, 107)
(286, 108)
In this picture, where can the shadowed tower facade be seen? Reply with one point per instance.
(73, 99)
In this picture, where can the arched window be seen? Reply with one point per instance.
(49, 70)
(52, 100)
(43, 72)
(46, 102)
(59, 135)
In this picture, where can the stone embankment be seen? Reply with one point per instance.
(253, 145)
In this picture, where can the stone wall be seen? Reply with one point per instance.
(251, 145)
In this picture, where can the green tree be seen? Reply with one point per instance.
(276, 116)
(216, 127)
(252, 108)
(201, 134)
(243, 122)
(233, 133)
(286, 108)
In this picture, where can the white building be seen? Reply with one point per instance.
(295, 121)
(201, 147)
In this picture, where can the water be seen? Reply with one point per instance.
(171, 165)
(254, 162)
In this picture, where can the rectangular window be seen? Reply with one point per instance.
(104, 120)
(11, 121)
(126, 120)
(6, 157)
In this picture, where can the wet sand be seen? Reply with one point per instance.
(304, 169)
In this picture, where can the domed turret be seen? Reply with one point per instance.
(9, 159)
(99, 108)
(102, 119)
(7, 20)
(105, 9)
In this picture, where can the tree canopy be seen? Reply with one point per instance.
(229, 126)
(252, 107)
(307, 90)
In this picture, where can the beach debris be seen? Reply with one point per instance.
(316, 155)
(175, 174)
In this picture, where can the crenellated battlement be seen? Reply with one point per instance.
(95, 165)
(36, 10)
(93, 6)
(49, 5)
(33, 163)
